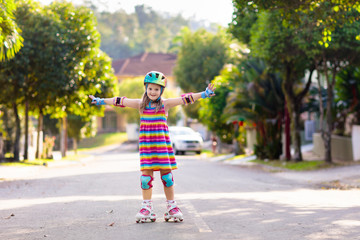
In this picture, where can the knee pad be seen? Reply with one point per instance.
(146, 182)
(167, 179)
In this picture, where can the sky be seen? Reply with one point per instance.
(217, 11)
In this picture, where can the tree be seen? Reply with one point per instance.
(86, 70)
(16, 73)
(201, 57)
(10, 39)
(98, 78)
(277, 44)
(57, 67)
(40, 64)
(257, 97)
(329, 59)
(316, 24)
(211, 111)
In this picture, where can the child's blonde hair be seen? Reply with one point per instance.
(146, 100)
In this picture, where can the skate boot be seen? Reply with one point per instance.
(173, 212)
(146, 212)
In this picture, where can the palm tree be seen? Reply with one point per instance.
(10, 39)
(259, 99)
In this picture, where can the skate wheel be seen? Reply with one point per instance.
(143, 220)
(137, 221)
(153, 220)
(181, 219)
(166, 219)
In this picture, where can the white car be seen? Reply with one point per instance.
(184, 139)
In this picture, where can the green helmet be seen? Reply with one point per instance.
(156, 78)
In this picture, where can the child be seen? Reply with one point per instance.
(156, 152)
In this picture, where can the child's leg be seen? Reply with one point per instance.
(146, 211)
(168, 181)
(172, 210)
(146, 184)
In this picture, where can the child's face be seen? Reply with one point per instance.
(153, 91)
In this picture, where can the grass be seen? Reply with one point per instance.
(26, 163)
(208, 153)
(42, 162)
(102, 140)
(75, 157)
(295, 166)
(238, 157)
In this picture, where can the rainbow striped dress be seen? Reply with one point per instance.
(156, 152)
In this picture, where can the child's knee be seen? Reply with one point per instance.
(146, 182)
(167, 179)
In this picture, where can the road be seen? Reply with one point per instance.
(99, 199)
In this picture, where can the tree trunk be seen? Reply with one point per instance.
(75, 145)
(288, 94)
(26, 144)
(297, 103)
(39, 129)
(297, 137)
(287, 133)
(63, 137)
(17, 134)
(235, 140)
(329, 120)
(327, 140)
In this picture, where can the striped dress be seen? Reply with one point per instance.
(156, 152)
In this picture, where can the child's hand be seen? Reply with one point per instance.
(209, 92)
(92, 99)
(212, 89)
(97, 101)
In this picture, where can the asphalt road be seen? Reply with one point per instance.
(99, 199)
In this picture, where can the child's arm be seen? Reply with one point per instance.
(116, 101)
(190, 98)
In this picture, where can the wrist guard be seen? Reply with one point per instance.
(206, 93)
(99, 101)
(119, 101)
(187, 98)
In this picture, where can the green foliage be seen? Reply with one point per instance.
(124, 35)
(297, 35)
(131, 88)
(211, 111)
(347, 98)
(75, 124)
(257, 97)
(295, 166)
(325, 15)
(60, 63)
(10, 39)
(244, 16)
(201, 57)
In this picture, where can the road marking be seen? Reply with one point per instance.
(199, 222)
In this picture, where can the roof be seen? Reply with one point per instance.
(143, 63)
